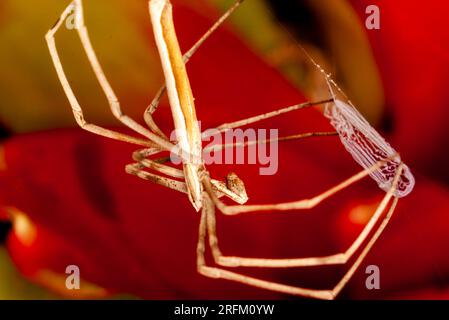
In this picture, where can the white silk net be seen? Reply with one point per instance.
(367, 146)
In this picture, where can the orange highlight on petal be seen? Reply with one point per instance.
(23, 227)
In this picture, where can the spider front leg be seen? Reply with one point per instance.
(261, 117)
(208, 225)
(76, 107)
(77, 7)
(219, 147)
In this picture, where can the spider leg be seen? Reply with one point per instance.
(76, 107)
(141, 157)
(219, 147)
(148, 114)
(295, 205)
(154, 140)
(217, 273)
(208, 226)
(232, 125)
(335, 259)
(137, 169)
(105, 85)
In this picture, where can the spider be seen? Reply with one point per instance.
(378, 159)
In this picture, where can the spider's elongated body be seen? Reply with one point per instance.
(368, 148)
(180, 95)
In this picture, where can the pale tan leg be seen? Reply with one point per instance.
(105, 85)
(137, 169)
(208, 221)
(76, 107)
(154, 140)
(337, 289)
(295, 205)
(340, 258)
(217, 273)
(301, 136)
(151, 109)
(148, 115)
(265, 116)
(141, 156)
